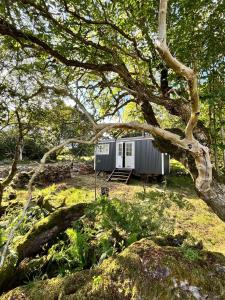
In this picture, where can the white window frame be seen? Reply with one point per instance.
(102, 149)
(129, 149)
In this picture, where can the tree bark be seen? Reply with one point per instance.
(212, 193)
(215, 198)
(215, 139)
(1, 196)
(21, 152)
(148, 113)
(222, 135)
(16, 157)
(47, 230)
(199, 152)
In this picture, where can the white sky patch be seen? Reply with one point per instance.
(69, 102)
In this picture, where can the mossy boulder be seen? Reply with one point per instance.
(143, 271)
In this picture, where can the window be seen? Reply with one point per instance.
(102, 149)
(128, 149)
(120, 150)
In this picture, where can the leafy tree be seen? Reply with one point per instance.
(31, 121)
(104, 55)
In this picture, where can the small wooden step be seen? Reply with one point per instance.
(118, 178)
(120, 175)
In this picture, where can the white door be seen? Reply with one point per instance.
(119, 155)
(129, 155)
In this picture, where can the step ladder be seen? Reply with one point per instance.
(123, 175)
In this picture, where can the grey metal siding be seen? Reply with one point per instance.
(147, 158)
(107, 162)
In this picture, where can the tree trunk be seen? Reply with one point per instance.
(20, 153)
(215, 139)
(6, 181)
(1, 196)
(215, 198)
(42, 234)
(213, 195)
(222, 134)
(48, 229)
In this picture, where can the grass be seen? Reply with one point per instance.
(68, 195)
(108, 226)
(189, 212)
(202, 223)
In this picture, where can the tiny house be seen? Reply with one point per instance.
(133, 153)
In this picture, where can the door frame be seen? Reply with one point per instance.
(132, 157)
(121, 160)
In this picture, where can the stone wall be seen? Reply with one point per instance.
(52, 173)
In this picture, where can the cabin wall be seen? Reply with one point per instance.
(148, 159)
(106, 162)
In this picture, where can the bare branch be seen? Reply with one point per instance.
(157, 131)
(115, 110)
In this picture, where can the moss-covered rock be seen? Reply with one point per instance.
(142, 271)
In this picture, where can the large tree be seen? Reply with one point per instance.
(106, 54)
(31, 116)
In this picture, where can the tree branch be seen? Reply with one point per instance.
(116, 28)
(46, 14)
(65, 92)
(10, 30)
(162, 22)
(179, 69)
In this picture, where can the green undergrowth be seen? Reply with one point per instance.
(176, 168)
(109, 226)
(177, 198)
(56, 195)
(180, 183)
(189, 212)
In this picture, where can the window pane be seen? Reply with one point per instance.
(120, 150)
(102, 149)
(129, 149)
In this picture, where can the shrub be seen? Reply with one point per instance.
(190, 253)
